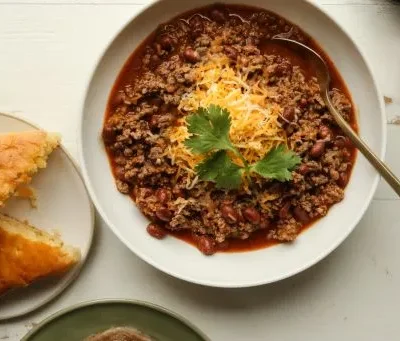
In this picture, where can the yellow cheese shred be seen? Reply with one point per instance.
(255, 128)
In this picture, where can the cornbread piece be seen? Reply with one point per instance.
(28, 254)
(21, 156)
(119, 334)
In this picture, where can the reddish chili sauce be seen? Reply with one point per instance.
(132, 70)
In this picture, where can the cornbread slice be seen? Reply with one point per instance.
(21, 156)
(28, 254)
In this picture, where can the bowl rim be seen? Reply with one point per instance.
(214, 283)
(108, 301)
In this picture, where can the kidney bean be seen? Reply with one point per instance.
(147, 192)
(251, 215)
(317, 149)
(289, 114)
(156, 231)
(166, 42)
(191, 55)
(162, 195)
(164, 214)
(206, 245)
(343, 180)
(301, 215)
(120, 173)
(108, 134)
(229, 214)
(342, 142)
(304, 169)
(284, 211)
(324, 132)
(339, 142)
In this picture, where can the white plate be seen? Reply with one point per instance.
(63, 206)
(233, 269)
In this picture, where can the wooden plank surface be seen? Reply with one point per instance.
(48, 49)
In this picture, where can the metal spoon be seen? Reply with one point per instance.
(324, 80)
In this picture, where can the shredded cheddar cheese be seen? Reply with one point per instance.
(255, 128)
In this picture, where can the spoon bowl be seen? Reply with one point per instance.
(319, 65)
(324, 80)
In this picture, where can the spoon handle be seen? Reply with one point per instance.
(379, 165)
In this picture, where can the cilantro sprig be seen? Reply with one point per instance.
(220, 169)
(209, 129)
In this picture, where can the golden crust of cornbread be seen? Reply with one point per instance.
(21, 156)
(28, 254)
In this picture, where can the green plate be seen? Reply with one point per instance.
(80, 321)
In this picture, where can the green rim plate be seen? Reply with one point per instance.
(80, 321)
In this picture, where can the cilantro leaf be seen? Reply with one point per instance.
(220, 169)
(277, 164)
(210, 130)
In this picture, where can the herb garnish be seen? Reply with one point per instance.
(209, 129)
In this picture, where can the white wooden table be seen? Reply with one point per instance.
(47, 48)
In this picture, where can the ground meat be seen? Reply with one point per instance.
(123, 187)
(286, 230)
(145, 104)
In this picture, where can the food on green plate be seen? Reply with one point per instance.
(120, 334)
(221, 136)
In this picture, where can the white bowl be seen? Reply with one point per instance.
(232, 269)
